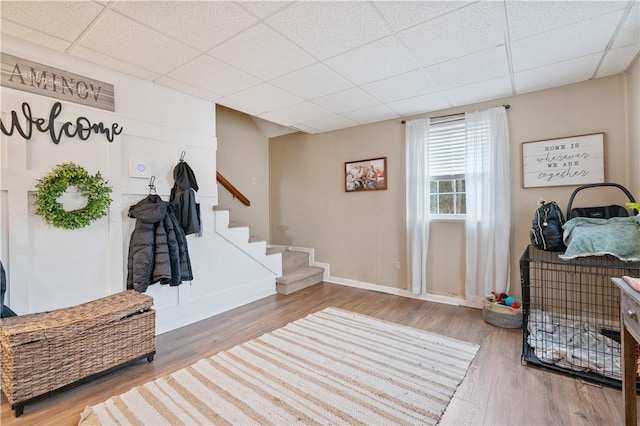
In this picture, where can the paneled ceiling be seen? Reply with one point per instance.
(318, 66)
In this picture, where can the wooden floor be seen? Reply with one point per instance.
(498, 389)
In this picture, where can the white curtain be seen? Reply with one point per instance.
(488, 220)
(417, 166)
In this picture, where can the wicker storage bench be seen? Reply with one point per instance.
(44, 352)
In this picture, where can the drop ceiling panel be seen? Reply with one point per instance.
(329, 123)
(484, 65)
(110, 62)
(401, 86)
(265, 97)
(325, 81)
(62, 19)
(254, 51)
(347, 100)
(214, 76)
(24, 33)
(557, 74)
(326, 28)
(618, 59)
(126, 40)
(571, 42)
(371, 115)
(528, 18)
(630, 30)
(419, 104)
(375, 61)
(404, 14)
(263, 9)
(300, 113)
(198, 92)
(464, 31)
(200, 24)
(478, 92)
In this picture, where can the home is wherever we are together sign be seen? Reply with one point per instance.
(576, 160)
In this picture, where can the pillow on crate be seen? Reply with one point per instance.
(546, 228)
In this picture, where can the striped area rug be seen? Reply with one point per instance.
(331, 367)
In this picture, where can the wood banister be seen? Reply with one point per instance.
(232, 189)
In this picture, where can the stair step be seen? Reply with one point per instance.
(292, 260)
(298, 279)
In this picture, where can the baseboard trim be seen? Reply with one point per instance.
(447, 300)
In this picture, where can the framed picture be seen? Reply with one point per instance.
(365, 175)
(574, 160)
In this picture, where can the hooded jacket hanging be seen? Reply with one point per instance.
(158, 247)
(183, 197)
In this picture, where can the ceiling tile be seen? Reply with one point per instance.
(34, 36)
(126, 40)
(262, 52)
(62, 19)
(420, 104)
(263, 9)
(200, 24)
(618, 60)
(198, 92)
(469, 69)
(326, 28)
(347, 100)
(329, 123)
(302, 112)
(284, 121)
(477, 27)
(265, 97)
(375, 61)
(404, 14)
(325, 81)
(402, 86)
(371, 114)
(527, 18)
(307, 129)
(478, 92)
(557, 74)
(109, 62)
(630, 31)
(218, 78)
(563, 44)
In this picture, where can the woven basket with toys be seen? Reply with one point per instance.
(502, 310)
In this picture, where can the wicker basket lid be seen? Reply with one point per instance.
(28, 328)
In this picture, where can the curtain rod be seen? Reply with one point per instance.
(507, 106)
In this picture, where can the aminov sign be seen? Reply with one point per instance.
(32, 77)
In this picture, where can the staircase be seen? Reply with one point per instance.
(290, 267)
(296, 272)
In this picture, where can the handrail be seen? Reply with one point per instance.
(232, 189)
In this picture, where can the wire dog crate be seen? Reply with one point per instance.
(571, 314)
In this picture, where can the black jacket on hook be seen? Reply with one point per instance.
(183, 198)
(158, 247)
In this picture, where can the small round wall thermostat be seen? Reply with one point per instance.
(141, 167)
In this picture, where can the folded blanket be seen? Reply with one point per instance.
(618, 236)
(634, 283)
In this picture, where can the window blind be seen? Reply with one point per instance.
(447, 147)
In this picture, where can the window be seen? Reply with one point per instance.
(447, 156)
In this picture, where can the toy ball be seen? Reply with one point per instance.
(509, 300)
(515, 304)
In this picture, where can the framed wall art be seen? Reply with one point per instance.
(574, 160)
(365, 175)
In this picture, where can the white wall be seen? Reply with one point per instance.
(50, 268)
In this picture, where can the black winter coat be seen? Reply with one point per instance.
(158, 248)
(184, 199)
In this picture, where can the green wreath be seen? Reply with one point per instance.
(52, 186)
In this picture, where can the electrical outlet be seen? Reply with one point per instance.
(397, 265)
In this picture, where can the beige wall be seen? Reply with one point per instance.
(361, 235)
(243, 155)
(633, 115)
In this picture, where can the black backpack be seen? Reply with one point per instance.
(546, 228)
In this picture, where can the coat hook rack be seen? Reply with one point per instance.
(152, 187)
(182, 155)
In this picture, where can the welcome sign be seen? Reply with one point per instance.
(33, 77)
